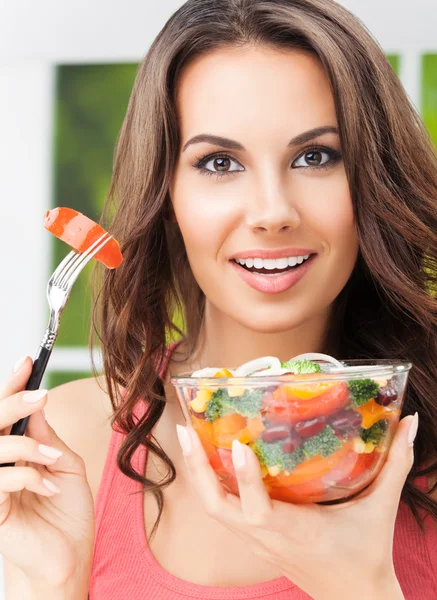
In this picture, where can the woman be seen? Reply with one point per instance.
(310, 149)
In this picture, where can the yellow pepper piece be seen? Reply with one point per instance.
(223, 373)
(201, 400)
(308, 390)
(373, 412)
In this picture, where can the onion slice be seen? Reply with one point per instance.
(258, 364)
(318, 356)
(206, 372)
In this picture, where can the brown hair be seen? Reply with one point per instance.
(388, 307)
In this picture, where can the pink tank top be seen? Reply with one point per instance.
(124, 567)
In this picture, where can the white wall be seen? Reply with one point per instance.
(35, 36)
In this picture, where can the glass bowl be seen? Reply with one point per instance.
(319, 437)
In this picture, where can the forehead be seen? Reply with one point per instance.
(233, 89)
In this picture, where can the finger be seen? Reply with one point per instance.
(16, 407)
(391, 479)
(15, 448)
(18, 378)
(40, 430)
(212, 494)
(256, 504)
(15, 479)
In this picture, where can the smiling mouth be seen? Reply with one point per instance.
(272, 267)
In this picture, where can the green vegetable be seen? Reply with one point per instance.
(324, 443)
(271, 454)
(362, 390)
(301, 366)
(375, 433)
(247, 405)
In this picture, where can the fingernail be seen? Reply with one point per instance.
(19, 364)
(34, 396)
(184, 439)
(238, 455)
(413, 429)
(50, 486)
(49, 451)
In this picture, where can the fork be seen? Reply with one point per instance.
(58, 291)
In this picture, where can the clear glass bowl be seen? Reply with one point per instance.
(320, 437)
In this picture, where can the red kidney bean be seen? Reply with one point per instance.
(291, 443)
(345, 420)
(310, 427)
(274, 433)
(199, 415)
(386, 395)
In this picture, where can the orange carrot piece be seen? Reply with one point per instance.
(80, 232)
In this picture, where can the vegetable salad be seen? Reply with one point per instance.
(312, 439)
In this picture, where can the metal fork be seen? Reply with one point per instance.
(58, 291)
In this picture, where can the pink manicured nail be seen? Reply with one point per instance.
(413, 430)
(238, 455)
(19, 364)
(184, 439)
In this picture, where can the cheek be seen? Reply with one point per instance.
(331, 215)
(205, 224)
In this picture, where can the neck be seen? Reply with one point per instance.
(225, 343)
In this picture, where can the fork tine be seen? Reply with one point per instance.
(70, 261)
(82, 259)
(62, 266)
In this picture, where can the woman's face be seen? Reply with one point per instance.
(271, 193)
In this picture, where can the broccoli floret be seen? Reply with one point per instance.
(362, 390)
(271, 454)
(247, 405)
(301, 366)
(324, 443)
(216, 405)
(375, 433)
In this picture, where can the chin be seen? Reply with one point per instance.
(271, 320)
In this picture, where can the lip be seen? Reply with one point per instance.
(276, 284)
(272, 253)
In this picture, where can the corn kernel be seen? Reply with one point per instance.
(264, 471)
(369, 447)
(234, 392)
(274, 471)
(201, 400)
(359, 445)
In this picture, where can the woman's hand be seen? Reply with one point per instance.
(48, 535)
(336, 551)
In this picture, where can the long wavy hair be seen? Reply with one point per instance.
(388, 308)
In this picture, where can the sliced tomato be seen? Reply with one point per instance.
(353, 466)
(282, 405)
(221, 462)
(80, 232)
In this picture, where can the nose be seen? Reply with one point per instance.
(271, 208)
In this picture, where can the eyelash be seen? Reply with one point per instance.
(334, 155)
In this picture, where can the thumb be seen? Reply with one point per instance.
(391, 479)
(41, 431)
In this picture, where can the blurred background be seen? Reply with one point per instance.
(66, 73)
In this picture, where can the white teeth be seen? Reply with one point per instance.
(272, 263)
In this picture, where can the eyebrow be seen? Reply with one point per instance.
(224, 142)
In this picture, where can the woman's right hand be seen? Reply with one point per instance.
(48, 535)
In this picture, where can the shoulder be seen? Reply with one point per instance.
(80, 413)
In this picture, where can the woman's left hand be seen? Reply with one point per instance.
(327, 551)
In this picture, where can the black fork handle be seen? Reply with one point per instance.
(38, 370)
